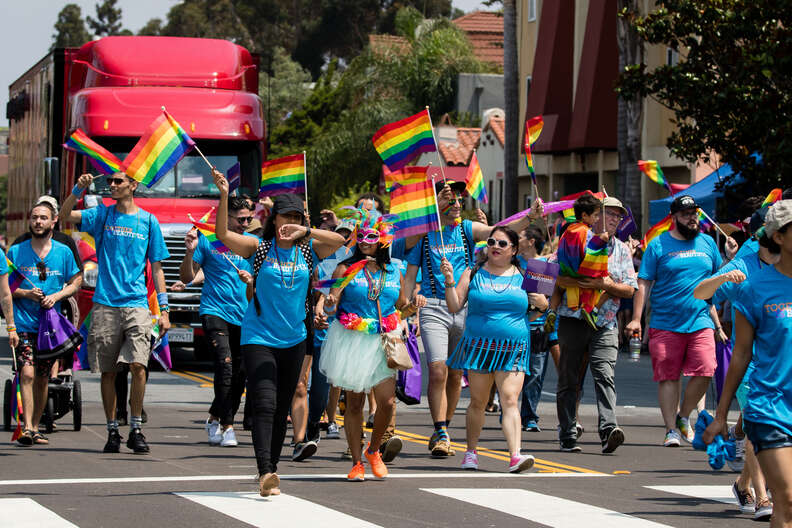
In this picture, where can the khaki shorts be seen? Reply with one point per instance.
(118, 335)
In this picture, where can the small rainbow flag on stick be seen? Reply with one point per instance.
(656, 230)
(15, 277)
(208, 230)
(416, 207)
(16, 407)
(404, 176)
(345, 279)
(163, 145)
(474, 180)
(400, 142)
(105, 161)
(283, 175)
(704, 222)
(655, 173)
(533, 127)
(772, 198)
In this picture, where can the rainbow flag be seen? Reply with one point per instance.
(345, 279)
(704, 223)
(416, 207)
(157, 151)
(655, 173)
(400, 142)
(582, 254)
(660, 227)
(569, 215)
(234, 177)
(81, 354)
(205, 218)
(16, 407)
(283, 175)
(772, 198)
(161, 352)
(208, 230)
(15, 277)
(474, 180)
(105, 161)
(533, 127)
(403, 176)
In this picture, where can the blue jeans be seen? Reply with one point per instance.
(534, 378)
(319, 391)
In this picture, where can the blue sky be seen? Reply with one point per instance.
(28, 36)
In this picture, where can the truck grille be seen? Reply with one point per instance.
(190, 299)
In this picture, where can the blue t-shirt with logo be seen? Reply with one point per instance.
(765, 300)
(61, 267)
(354, 297)
(223, 294)
(281, 287)
(123, 244)
(677, 267)
(455, 252)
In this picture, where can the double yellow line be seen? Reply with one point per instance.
(202, 379)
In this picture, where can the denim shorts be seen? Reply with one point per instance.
(765, 436)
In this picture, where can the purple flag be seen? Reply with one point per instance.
(627, 226)
(234, 177)
(540, 276)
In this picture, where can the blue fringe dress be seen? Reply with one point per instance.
(497, 335)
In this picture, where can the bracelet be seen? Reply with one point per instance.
(77, 191)
(450, 284)
(10, 329)
(164, 308)
(331, 311)
(308, 232)
(162, 299)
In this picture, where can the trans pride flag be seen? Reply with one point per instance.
(163, 145)
(400, 142)
(105, 161)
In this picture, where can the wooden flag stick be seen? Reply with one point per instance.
(230, 261)
(305, 176)
(439, 221)
(713, 222)
(437, 146)
(197, 149)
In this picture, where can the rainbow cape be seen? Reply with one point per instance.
(416, 207)
(345, 279)
(400, 142)
(283, 175)
(533, 127)
(208, 230)
(660, 227)
(655, 173)
(15, 277)
(105, 161)
(474, 180)
(582, 254)
(163, 145)
(772, 198)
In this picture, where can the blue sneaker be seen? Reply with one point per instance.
(532, 427)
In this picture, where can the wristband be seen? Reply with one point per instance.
(164, 308)
(450, 284)
(308, 232)
(10, 329)
(77, 191)
(162, 299)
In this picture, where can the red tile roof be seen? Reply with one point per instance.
(497, 125)
(459, 153)
(485, 31)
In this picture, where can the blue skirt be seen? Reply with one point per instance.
(490, 355)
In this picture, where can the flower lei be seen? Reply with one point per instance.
(368, 325)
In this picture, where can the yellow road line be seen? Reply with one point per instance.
(190, 377)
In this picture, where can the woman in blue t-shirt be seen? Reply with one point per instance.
(352, 356)
(273, 328)
(763, 324)
(496, 344)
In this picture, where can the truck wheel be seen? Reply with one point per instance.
(7, 393)
(77, 405)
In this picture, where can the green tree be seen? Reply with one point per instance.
(152, 28)
(70, 28)
(285, 90)
(731, 92)
(208, 19)
(108, 19)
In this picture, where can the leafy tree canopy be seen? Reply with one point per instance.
(731, 92)
(70, 29)
(108, 19)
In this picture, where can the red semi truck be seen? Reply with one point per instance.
(112, 89)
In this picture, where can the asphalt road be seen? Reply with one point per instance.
(185, 482)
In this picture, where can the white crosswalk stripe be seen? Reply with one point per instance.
(274, 512)
(27, 513)
(544, 509)
(710, 493)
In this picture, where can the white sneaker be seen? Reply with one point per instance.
(213, 432)
(521, 463)
(229, 438)
(470, 461)
(332, 432)
(672, 439)
(737, 464)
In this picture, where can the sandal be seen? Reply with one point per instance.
(26, 438)
(39, 438)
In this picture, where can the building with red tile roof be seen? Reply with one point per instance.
(485, 31)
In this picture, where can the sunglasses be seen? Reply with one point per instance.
(503, 244)
(243, 219)
(371, 237)
(42, 270)
(115, 181)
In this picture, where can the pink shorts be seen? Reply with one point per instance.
(689, 354)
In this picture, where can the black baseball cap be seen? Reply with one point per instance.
(682, 203)
(287, 203)
(456, 186)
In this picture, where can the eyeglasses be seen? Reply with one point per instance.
(42, 270)
(503, 244)
(243, 219)
(371, 237)
(115, 181)
(614, 215)
(688, 213)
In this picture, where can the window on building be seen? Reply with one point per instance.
(531, 10)
(672, 57)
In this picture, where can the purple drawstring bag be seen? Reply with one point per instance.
(56, 336)
(408, 382)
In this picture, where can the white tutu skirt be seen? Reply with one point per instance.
(353, 360)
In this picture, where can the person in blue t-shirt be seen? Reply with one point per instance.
(763, 321)
(223, 304)
(52, 275)
(274, 325)
(682, 329)
(441, 330)
(127, 237)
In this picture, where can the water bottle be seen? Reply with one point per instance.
(635, 346)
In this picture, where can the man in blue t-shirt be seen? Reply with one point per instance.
(682, 328)
(127, 237)
(223, 304)
(52, 275)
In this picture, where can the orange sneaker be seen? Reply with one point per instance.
(358, 473)
(377, 465)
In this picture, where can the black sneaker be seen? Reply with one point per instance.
(312, 432)
(303, 450)
(137, 442)
(570, 446)
(113, 444)
(614, 440)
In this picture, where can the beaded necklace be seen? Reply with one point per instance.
(508, 284)
(280, 267)
(375, 288)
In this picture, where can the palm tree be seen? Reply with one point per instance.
(511, 84)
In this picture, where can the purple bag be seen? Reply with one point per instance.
(56, 336)
(408, 382)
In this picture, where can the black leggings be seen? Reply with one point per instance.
(229, 377)
(272, 375)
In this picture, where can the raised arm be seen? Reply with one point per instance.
(67, 212)
(242, 245)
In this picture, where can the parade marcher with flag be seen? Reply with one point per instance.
(763, 321)
(223, 304)
(273, 328)
(126, 237)
(51, 275)
(496, 344)
(365, 291)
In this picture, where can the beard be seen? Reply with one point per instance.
(44, 234)
(686, 232)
